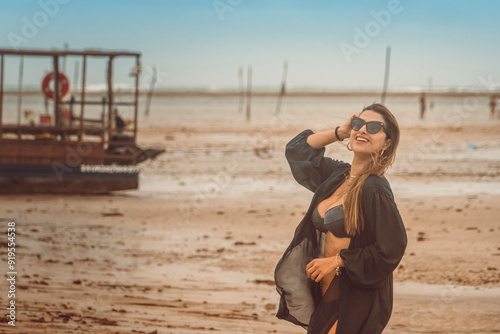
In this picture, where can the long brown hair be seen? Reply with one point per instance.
(381, 161)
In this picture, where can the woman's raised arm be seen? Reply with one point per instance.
(321, 139)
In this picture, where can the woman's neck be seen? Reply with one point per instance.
(358, 164)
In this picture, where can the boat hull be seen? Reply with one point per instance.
(63, 179)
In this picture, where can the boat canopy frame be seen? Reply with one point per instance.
(60, 128)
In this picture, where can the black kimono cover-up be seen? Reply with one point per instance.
(363, 303)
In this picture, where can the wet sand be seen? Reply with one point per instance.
(193, 251)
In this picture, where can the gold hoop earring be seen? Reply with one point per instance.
(349, 146)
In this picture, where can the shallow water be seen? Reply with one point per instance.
(165, 186)
(208, 186)
(310, 111)
(446, 291)
(415, 188)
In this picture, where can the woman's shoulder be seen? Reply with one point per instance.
(377, 184)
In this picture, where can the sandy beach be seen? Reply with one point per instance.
(194, 249)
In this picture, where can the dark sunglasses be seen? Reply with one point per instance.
(372, 127)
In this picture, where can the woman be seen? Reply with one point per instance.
(336, 275)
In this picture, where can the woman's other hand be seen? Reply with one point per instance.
(319, 268)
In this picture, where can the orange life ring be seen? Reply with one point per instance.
(63, 85)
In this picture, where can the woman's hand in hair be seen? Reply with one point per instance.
(319, 268)
(321, 139)
(345, 129)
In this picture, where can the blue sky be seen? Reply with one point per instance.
(203, 43)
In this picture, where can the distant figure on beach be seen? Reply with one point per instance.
(422, 105)
(119, 122)
(119, 136)
(30, 116)
(336, 274)
(493, 106)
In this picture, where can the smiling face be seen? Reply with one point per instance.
(365, 143)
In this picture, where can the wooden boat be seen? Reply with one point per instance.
(68, 153)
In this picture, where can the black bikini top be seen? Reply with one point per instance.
(333, 221)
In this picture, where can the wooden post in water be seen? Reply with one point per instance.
(283, 88)
(75, 77)
(1, 94)
(386, 76)
(242, 94)
(431, 102)
(249, 92)
(20, 90)
(151, 89)
(136, 99)
(66, 47)
(111, 114)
